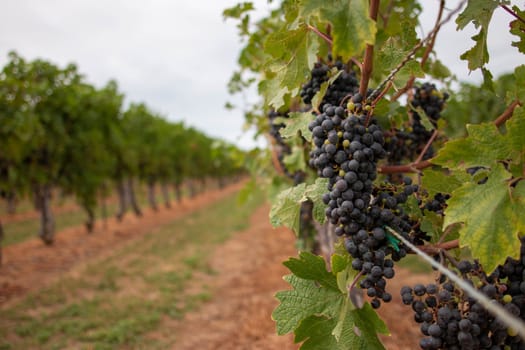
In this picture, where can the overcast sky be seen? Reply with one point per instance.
(177, 56)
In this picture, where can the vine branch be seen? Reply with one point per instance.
(512, 13)
(369, 54)
(407, 168)
(321, 34)
(426, 54)
(412, 52)
(507, 113)
(427, 146)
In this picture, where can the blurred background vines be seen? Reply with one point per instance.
(61, 136)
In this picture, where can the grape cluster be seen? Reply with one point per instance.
(452, 320)
(346, 151)
(438, 203)
(408, 144)
(346, 84)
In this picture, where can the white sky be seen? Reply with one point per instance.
(177, 56)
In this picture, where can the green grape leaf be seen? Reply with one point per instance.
(517, 28)
(304, 300)
(492, 217)
(352, 27)
(318, 98)
(238, 10)
(438, 70)
(317, 294)
(425, 120)
(339, 262)
(484, 146)
(294, 54)
(436, 181)
(315, 193)
(295, 160)
(359, 329)
(297, 122)
(309, 7)
(479, 12)
(286, 207)
(270, 88)
(519, 74)
(312, 267)
(432, 224)
(478, 55)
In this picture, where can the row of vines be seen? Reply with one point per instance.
(58, 133)
(374, 157)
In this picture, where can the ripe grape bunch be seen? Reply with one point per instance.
(451, 320)
(345, 151)
(346, 84)
(410, 143)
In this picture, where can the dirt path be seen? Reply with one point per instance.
(30, 265)
(239, 315)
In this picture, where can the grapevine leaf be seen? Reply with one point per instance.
(318, 98)
(297, 122)
(316, 332)
(517, 28)
(238, 10)
(358, 331)
(315, 193)
(484, 146)
(479, 12)
(519, 74)
(271, 89)
(438, 70)
(312, 267)
(492, 218)
(304, 300)
(317, 296)
(435, 181)
(339, 262)
(294, 53)
(309, 7)
(286, 208)
(352, 28)
(295, 160)
(478, 55)
(516, 130)
(432, 224)
(425, 120)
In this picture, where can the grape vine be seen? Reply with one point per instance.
(389, 178)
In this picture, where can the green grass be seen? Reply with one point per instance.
(116, 301)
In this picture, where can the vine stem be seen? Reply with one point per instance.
(436, 248)
(426, 54)
(427, 146)
(408, 168)
(369, 54)
(412, 52)
(514, 14)
(321, 35)
(494, 308)
(507, 113)
(416, 166)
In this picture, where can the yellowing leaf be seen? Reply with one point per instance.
(492, 215)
